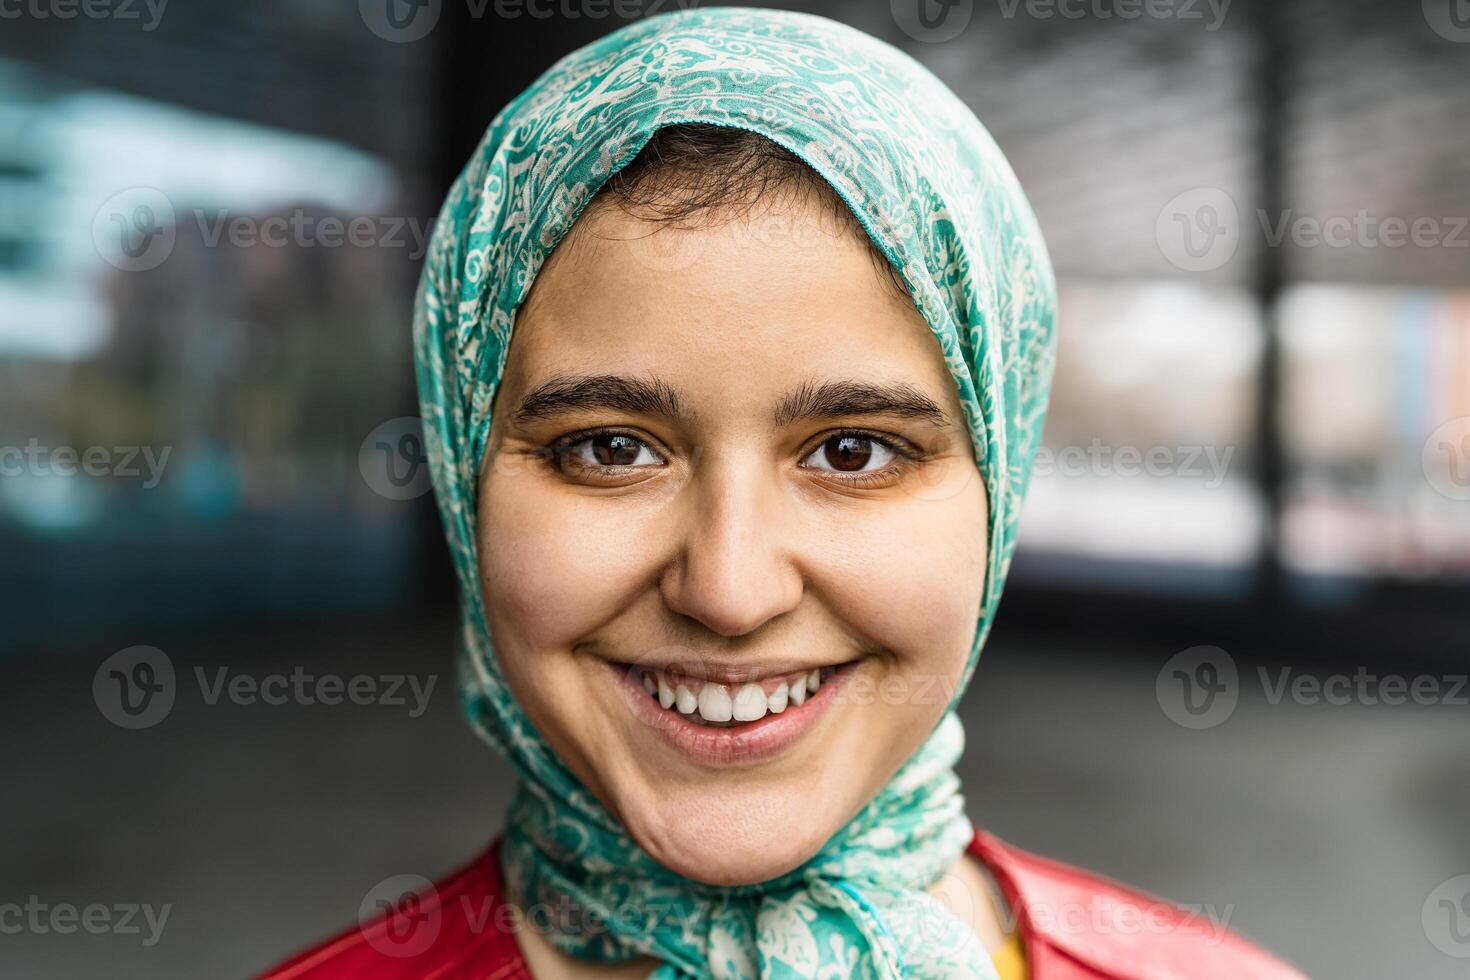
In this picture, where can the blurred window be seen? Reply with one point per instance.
(1376, 425)
(1147, 454)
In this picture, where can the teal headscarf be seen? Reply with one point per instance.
(933, 192)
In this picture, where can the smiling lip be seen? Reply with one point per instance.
(746, 744)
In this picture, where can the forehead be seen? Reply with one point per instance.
(763, 296)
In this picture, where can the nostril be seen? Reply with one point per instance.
(732, 574)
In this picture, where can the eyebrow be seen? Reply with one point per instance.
(831, 399)
(567, 393)
(812, 400)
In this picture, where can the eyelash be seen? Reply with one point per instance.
(904, 452)
(904, 455)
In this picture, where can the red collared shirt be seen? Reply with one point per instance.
(1073, 926)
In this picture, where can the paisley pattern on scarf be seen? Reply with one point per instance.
(934, 193)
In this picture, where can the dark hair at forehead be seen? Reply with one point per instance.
(694, 171)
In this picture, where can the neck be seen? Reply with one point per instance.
(972, 894)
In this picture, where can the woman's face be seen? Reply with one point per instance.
(723, 459)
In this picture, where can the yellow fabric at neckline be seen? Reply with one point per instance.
(1010, 959)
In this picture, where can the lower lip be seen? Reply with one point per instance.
(752, 742)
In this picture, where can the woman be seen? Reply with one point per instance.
(737, 525)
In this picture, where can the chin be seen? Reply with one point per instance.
(738, 837)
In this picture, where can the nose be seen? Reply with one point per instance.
(735, 569)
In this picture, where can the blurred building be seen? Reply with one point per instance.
(216, 311)
(1251, 373)
(1259, 438)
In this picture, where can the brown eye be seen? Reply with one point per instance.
(611, 449)
(615, 450)
(850, 453)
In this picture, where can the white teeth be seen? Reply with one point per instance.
(685, 700)
(714, 703)
(750, 703)
(778, 698)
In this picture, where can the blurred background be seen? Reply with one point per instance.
(1231, 664)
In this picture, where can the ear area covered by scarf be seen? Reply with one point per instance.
(935, 195)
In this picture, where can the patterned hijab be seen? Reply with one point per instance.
(934, 193)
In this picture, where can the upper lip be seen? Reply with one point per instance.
(728, 673)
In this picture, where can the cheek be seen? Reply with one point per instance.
(910, 578)
(552, 569)
(905, 575)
